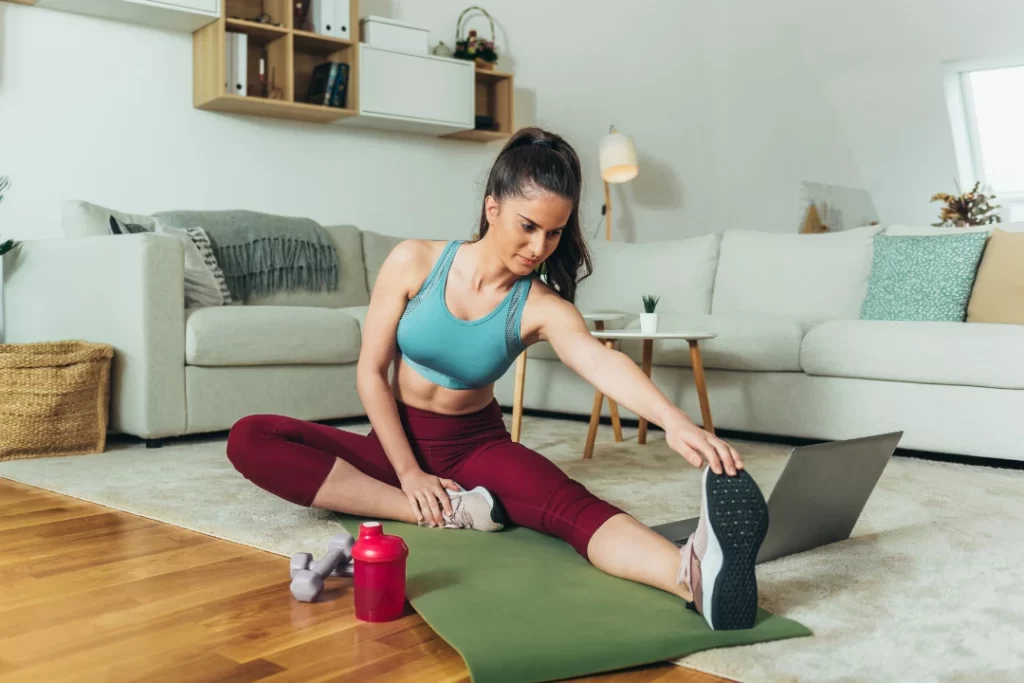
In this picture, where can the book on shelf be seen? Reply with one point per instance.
(329, 85)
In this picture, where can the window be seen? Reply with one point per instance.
(986, 104)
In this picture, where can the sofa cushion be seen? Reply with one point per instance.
(376, 248)
(357, 312)
(930, 352)
(807, 276)
(348, 242)
(270, 335)
(85, 219)
(916, 277)
(745, 342)
(998, 292)
(680, 272)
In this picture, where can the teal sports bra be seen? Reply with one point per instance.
(456, 353)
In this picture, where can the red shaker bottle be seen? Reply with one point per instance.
(379, 576)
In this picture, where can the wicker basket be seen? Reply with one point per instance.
(54, 399)
(485, 48)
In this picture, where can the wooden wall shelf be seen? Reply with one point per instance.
(290, 57)
(494, 98)
(405, 92)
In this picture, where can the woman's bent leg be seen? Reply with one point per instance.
(318, 466)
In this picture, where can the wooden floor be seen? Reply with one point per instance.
(93, 594)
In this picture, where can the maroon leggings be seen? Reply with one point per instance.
(291, 458)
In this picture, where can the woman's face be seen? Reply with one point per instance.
(527, 229)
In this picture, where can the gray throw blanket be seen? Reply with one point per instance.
(261, 254)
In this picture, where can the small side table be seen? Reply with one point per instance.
(599, 319)
(610, 337)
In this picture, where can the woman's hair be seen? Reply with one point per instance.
(534, 159)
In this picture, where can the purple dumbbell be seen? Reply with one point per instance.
(308, 576)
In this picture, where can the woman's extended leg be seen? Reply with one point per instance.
(315, 465)
(624, 547)
(716, 568)
(537, 494)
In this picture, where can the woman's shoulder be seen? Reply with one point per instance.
(542, 297)
(417, 252)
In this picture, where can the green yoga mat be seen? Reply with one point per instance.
(520, 606)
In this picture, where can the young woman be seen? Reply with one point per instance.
(448, 319)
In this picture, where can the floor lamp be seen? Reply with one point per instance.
(617, 155)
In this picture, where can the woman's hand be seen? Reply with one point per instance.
(427, 496)
(697, 445)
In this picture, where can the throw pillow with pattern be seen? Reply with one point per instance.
(926, 277)
(204, 284)
(202, 242)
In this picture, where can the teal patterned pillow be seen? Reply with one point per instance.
(922, 277)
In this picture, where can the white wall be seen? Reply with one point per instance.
(881, 64)
(727, 111)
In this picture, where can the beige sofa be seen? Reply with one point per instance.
(179, 371)
(791, 357)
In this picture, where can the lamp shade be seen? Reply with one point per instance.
(617, 155)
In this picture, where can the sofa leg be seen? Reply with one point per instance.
(154, 443)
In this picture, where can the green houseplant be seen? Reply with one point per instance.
(649, 319)
(966, 209)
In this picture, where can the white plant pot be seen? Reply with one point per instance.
(648, 323)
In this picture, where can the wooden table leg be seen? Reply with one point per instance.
(517, 397)
(595, 413)
(702, 387)
(595, 419)
(645, 365)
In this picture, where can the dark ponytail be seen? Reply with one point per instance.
(536, 159)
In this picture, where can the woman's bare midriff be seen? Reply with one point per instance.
(412, 389)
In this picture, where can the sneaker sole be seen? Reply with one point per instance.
(737, 521)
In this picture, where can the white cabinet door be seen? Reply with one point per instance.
(212, 6)
(173, 15)
(416, 87)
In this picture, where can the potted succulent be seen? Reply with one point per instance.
(649, 319)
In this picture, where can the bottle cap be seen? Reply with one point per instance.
(373, 545)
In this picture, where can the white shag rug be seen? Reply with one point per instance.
(927, 589)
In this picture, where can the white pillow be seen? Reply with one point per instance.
(204, 281)
(681, 272)
(814, 276)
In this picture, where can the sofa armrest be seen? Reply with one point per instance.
(124, 290)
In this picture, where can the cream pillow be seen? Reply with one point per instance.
(998, 293)
(809, 276)
(205, 284)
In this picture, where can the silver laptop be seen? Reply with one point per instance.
(818, 498)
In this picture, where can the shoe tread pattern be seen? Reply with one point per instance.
(738, 514)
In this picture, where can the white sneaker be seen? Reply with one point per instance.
(718, 560)
(474, 509)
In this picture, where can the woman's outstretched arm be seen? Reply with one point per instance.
(615, 375)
